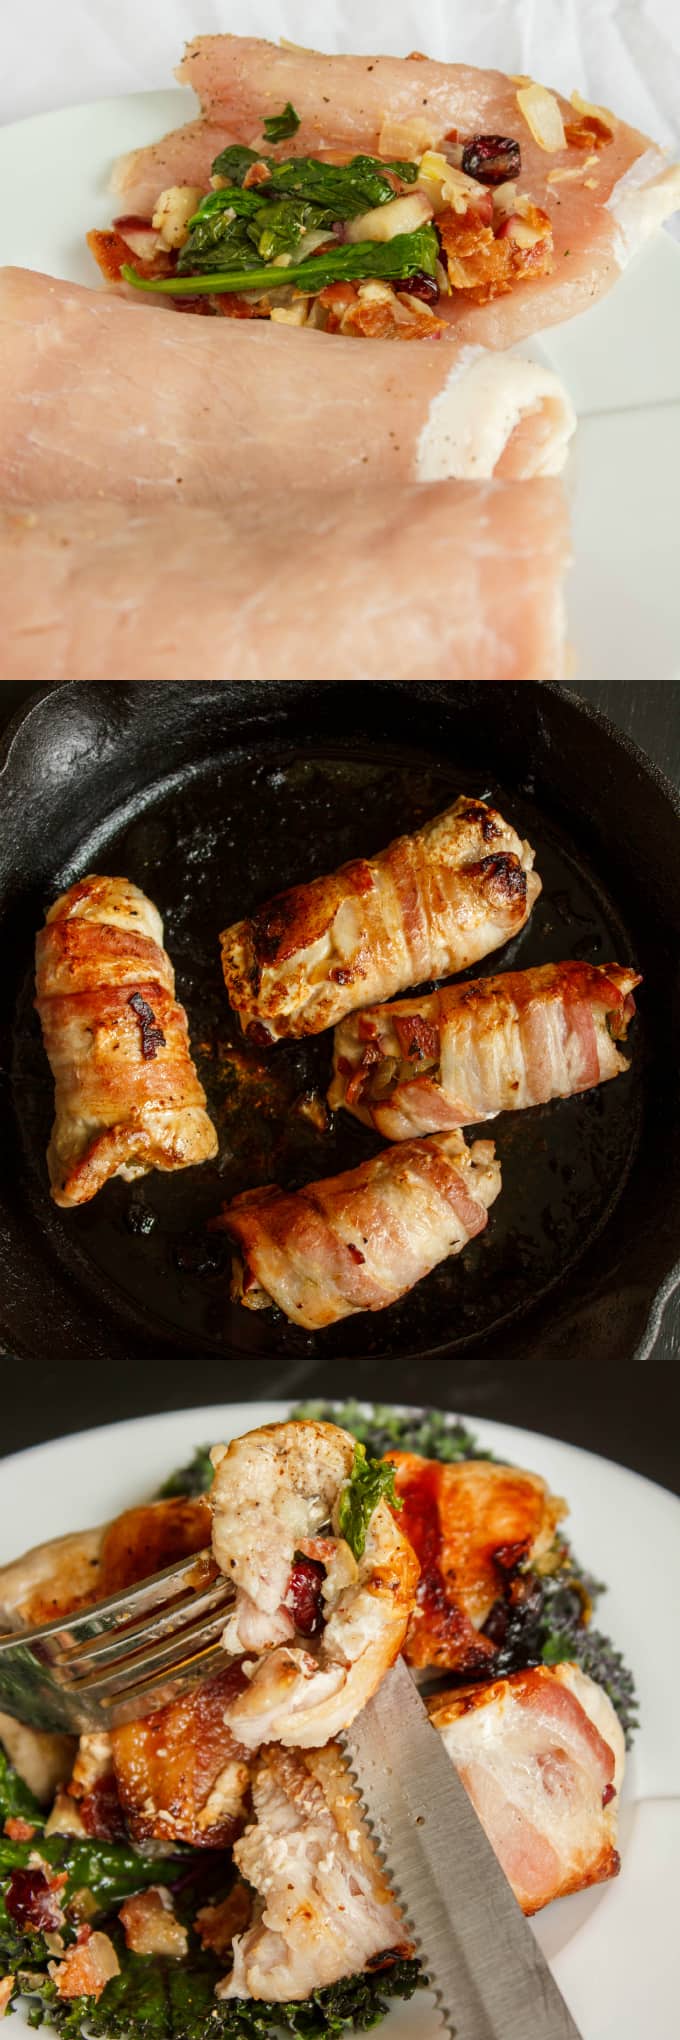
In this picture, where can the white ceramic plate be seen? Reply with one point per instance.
(620, 361)
(612, 1950)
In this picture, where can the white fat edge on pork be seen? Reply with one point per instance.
(472, 419)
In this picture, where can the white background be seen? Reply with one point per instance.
(623, 52)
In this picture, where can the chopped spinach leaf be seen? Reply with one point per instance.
(229, 198)
(346, 189)
(234, 162)
(280, 125)
(404, 256)
(281, 225)
(370, 1481)
(216, 242)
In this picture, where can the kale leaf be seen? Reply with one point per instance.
(194, 1479)
(280, 125)
(369, 1481)
(431, 1433)
(161, 2000)
(405, 255)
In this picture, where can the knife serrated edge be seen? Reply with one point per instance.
(492, 1981)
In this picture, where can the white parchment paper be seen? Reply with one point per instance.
(625, 53)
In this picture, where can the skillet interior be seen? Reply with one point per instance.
(213, 798)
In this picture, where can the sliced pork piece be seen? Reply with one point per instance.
(475, 1526)
(431, 903)
(604, 186)
(71, 1572)
(454, 581)
(323, 1908)
(466, 1052)
(127, 1096)
(541, 1755)
(180, 1773)
(207, 410)
(361, 1240)
(320, 1626)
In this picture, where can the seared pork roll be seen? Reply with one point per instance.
(474, 1526)
(466, 1052)
(127, 1095)
(541, 1755)
(361, 1240)
(432, 903)
(320, 1620)
(323, 1908)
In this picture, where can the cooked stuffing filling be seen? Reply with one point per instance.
(367, 246)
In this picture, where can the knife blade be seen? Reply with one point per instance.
(488, 1974)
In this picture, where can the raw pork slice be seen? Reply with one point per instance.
(213, 407)
(451, 581)
(604, 185)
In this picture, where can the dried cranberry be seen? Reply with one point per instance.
(303, 1596)
(492, 159)
(31, 1902)
(421, 286)
(608, 1794)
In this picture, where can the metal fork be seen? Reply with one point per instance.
(121, 1658)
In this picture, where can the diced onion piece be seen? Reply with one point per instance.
(565, 175)
(174, 209)
(446, 186)
(399, 216)
(520, 231)
(291, 315)
(442, 278)
(405, 140)
(505, 198)
(540, 109)
(376, 292)
(602, 113)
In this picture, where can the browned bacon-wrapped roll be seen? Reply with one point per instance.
(430, 904)
(541, 1755)
(466, 1052)
(361, 1240)
(127, 1095)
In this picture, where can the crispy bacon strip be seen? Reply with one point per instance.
(471, 1524)
(432, 903)
(541, 1755)
(126, 1091)
(466, 1052)
(360, 1240)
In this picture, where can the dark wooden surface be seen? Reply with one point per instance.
(630, 1413)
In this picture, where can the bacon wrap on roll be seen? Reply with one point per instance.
(466, 1052)
(431, 903)
(541, 1755)
(361, 1240)
(127, 1095)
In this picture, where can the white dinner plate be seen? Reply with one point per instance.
(620, 361)
(613, 1950)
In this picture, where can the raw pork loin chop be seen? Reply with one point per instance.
(211, 409)
(447, 581)
(603, 185)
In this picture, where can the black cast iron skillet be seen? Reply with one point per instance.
(212, 798)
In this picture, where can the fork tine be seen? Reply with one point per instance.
(168, 1657)
(131, 1603)
(98, 1651)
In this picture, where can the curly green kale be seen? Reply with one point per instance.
(432, 1433)
(154, 1999)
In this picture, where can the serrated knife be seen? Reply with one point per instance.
(485, 1967)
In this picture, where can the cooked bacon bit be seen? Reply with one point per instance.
(216, 1925)
(484, 264)
(87, 1968)
(494, 159)
(303, 1596)
(132, 221)
(19, 1830)
(257, 174)
(334, 301)
(7, 1984)
(153, 1037)
(101, 1811)
(231, 306)
(416, 57)
(111, 251)
(31, 1900)
(589, 132)
(416, 1037)
(150, 1925)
